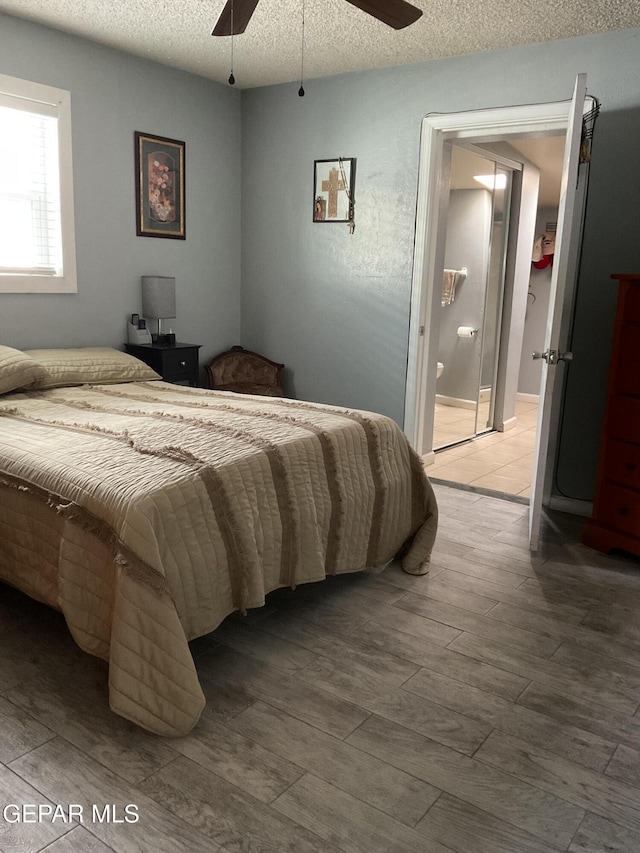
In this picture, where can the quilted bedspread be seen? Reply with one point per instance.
(147, 512)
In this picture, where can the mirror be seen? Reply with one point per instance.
(473, 287)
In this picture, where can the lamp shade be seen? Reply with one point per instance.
(158, 296)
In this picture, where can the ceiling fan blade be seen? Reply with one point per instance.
(396, 13)
(242, 12)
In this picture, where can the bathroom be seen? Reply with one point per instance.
(473, 446)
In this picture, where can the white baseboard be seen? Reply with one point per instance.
(455, 401)
(510, 423)
(429, 458)
(527, 398)
(571, 505)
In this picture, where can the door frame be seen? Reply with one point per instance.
(488, 125)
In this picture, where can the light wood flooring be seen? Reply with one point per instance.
(489, 707)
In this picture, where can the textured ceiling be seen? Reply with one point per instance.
(338, 37)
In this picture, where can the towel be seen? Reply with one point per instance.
(449, 286)
(450, 279)
(537, 249)
(543, 250)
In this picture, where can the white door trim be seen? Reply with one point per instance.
(437, 129)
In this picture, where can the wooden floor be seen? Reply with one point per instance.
(489, 707)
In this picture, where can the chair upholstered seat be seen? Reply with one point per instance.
(245, 372)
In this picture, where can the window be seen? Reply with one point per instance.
(37, 246)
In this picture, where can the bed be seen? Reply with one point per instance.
(148, 512)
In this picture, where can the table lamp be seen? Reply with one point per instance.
(159, 303)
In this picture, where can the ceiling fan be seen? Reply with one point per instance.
(395, 13)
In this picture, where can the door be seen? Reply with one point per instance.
(554, 355)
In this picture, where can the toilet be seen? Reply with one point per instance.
(440, 369)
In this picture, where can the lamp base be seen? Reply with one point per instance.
(164, 340)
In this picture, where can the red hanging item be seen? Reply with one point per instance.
(543, 250)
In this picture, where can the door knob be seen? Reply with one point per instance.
(552, 356)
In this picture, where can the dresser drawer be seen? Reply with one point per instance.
(622, 464)
(627, 378)
(624, 418)
(179, 364)
(631, 306)
(620, 509)
(174, 362)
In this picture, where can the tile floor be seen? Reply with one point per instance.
(499, 461)
(491, 706)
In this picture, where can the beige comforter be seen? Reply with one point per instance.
(147, 512)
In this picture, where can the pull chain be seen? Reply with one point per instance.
(301, 89)
(232, 79)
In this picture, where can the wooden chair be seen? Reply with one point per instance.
(245, 372)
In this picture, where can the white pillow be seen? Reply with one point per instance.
(95, 365)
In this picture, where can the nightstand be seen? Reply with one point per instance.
(177, 363)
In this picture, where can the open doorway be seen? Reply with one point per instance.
(469, 448)
(575, 118)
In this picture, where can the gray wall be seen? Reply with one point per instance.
(335, 307)
(467, 245)
(112, 95)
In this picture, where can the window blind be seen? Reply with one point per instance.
(30, 221)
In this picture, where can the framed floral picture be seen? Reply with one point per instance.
(160, 203)
(334, 189)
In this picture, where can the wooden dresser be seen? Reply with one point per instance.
(616, 509)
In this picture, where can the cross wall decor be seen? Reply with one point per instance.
(334, 190)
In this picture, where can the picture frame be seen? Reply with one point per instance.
(334, 189)
(160, 192)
